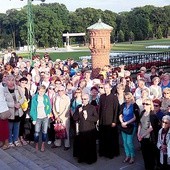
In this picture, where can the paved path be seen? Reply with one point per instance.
(26, 157)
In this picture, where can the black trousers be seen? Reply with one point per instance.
(22, 125)
(147, 148)
(108, 141)
(51, 132)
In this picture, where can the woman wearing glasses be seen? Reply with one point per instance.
(147, 134)
(165, 100)
(87, 116)
(164, 143)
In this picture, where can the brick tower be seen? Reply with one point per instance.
(99, 45)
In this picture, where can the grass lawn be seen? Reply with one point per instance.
(138, 46)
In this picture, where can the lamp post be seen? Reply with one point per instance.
(30, 29)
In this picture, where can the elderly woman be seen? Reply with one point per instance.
(61, 109)
(155, 89)
(163, 143)
(147, 134)
(128, 113)
(165, 100)
(16, 110)
(87, 116)
(165, 82)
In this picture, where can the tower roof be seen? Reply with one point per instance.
(100, 26)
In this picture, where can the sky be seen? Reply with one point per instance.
(113, 5)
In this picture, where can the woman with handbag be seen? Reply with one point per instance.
(4, 115)
(128, 113)
(148, 133)
(61, 109)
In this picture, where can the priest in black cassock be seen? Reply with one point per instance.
(85, 142)
(108, 119)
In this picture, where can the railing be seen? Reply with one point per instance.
(134, 62)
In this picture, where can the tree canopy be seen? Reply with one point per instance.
(53, 19)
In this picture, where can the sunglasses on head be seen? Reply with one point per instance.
(147, 104)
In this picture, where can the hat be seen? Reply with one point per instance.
(157, 101)
(143, 69)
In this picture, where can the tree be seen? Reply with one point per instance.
(121, 36)
(159, 33)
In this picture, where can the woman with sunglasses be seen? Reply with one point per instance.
(147, 134)
(163, 143)
(165, 99)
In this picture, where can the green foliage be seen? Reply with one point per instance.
(53, 19)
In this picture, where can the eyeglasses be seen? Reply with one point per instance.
(50, 88)
(84, 99)
(147, 104)
(165, 122)
(166, 93)
(101, 87)
(60, 90)
(155, 105)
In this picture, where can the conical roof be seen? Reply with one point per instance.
(100, 26)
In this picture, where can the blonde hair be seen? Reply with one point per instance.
(167, 89)
(131, 96)
(151, 103)
(42, 87)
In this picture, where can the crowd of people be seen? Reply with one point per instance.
(37, 95)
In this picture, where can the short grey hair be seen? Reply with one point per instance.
(166, 117)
